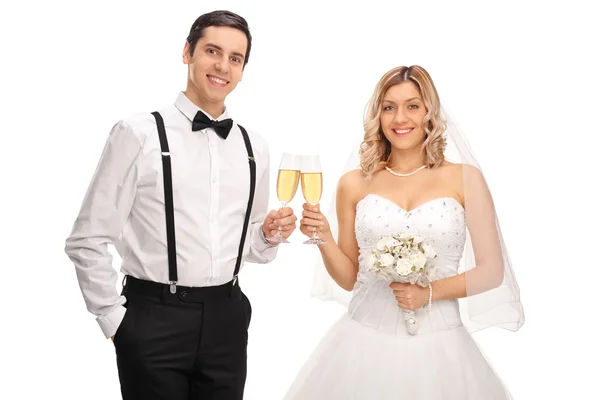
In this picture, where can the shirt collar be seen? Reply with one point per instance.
(189, 109)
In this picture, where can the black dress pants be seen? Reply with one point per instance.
(190, 345)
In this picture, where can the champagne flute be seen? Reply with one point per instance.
(312, 187)
(287, 185)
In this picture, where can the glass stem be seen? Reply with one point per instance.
(279, 235)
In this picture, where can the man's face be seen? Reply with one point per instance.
(217, 65)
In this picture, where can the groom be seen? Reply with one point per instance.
(182, 194)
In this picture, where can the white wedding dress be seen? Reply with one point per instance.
(369, 355)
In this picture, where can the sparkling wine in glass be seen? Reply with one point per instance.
(287, 185)
(312, 187)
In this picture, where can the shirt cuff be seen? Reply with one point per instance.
(109, 323)
(263, 240)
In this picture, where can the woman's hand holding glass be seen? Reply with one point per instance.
(312, 188)
(313, 222)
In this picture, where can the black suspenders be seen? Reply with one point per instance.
(169, 215)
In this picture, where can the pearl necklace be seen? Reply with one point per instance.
(405, 175)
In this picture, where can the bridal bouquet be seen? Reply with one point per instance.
(407, 259)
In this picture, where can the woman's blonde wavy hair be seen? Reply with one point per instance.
(375, 149)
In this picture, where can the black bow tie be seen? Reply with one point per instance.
(201, 121)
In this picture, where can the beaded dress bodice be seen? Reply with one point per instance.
(441, 221)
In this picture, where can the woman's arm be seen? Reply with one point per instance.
(488, 272)
(341, 258)
(480, 213)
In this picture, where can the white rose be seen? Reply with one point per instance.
(418, 239)
(391, 243)
(404, 266)
(382, 242)
(419, 260)
(429, 252)
(387, 260)
(403, 236)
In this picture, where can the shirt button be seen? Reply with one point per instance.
(214, 180)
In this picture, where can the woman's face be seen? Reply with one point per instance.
(402, 113)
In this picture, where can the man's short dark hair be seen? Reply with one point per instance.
(218, 18)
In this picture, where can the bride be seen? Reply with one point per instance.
(406, 185)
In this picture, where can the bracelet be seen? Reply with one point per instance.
(430, 297)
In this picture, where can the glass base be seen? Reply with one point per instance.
(314, 241)
(278, 240)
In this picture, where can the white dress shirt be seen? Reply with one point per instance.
(124, 206)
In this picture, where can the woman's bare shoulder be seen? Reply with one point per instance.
(352, 185)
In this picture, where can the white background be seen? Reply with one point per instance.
(521, 77)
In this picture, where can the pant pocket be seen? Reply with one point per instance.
(122, 329)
